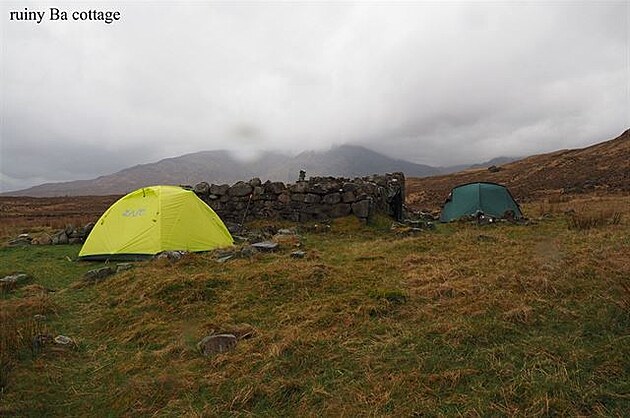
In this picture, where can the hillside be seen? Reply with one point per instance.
(603, 167)
(221, 167)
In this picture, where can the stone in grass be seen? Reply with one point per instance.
(98, 274)
(265, 246)
(123, 266)
(171, 255)
(10, 282)
(63, 340)
(219, 343)
(298, 254)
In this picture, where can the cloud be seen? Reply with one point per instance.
(434, 84)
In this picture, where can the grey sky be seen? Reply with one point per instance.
(433, 83)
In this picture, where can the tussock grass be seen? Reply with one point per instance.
(531, 321)
(587, 221)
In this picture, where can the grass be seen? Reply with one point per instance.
(533, 320)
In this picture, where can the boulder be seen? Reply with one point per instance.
(284, 198)
(349, 187)
(219, 343)
(332, 198)
(348, 197)
(240, 189)
(311, 198)
(298, 187)
(361, 209)
(60, 238)
(255, 182)
(202, 188)
(219, 190)
(275, 187)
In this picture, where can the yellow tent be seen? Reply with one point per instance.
(155, 219)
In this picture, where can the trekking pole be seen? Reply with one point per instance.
(246, 209)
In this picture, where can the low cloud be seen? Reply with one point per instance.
(434, 84)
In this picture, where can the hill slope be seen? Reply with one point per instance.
(604, 166)
(222, 167)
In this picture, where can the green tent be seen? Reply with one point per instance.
(472, 199)
(155, 219)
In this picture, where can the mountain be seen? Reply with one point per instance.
(221, 167)
(601, 167)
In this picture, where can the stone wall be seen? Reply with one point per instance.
(317, 198)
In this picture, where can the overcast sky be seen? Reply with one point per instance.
(433, 83)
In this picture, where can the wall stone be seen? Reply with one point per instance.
(318, 198)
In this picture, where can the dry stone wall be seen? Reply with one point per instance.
(317, 198)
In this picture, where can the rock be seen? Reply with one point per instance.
(349, 187)
(255, 182)
(311, 198)
(76, 233)
(298, 187)
(298, 254)
(265, 246)
(348, 197)
(286, 231)
(98, 274)
(316, 189)
(60, 238)
(202, 188)
(275, 187)
(284, 198)
(298, 197)
(219, 190)
(123, 266)
(225, 258)
(361, 208)
(63, 340)
(219, 343)
(10, 282)
(332, 198)
(87, 228)
(20, 242)
(73, 241)
(494, 169)
(240, 189)
(44, 239)
(170, 255)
